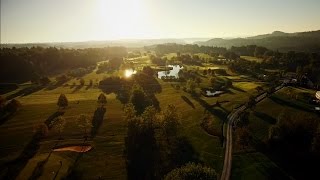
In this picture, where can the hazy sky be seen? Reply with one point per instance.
(81, 20)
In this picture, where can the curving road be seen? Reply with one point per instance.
(226, 172)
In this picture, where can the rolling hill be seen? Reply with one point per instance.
(300, 41)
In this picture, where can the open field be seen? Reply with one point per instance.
(106, 158)
(252, 58)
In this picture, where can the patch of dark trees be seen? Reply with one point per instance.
(153, 149)
(122, 87)
(162, 49)
(24, 64)
(293, 144)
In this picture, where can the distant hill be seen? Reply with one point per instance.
(129, 43)
(300, 41)
(100, 44)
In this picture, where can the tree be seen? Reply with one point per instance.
(170, 121)
(243, 137)
(251, 102)
(102, 99)
(243, 119)
(148, 70)
(192, 171)
(58, 123)
(81, 81)
(62, 101)
(12, 106)
(139, 99)
(191, 86)
(84, 122)
(259, 89)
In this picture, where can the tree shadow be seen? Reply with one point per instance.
(57, 84)
(88, 87)
(8, 87)
(220, 113)
(265, 117)
(288, 103)
(17, 165)
(237, 89)
(188, 101)
(26, 91)
(97, 120)
(77, 88)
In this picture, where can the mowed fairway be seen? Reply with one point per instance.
(104, 160)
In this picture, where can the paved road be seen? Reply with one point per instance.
(226, 172)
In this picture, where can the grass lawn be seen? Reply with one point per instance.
(251, 58)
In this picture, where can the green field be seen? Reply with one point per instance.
(106, 160)
(252, 58)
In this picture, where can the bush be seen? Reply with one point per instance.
(192, 171)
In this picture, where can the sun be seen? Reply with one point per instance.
(121, 19)
(129, 72)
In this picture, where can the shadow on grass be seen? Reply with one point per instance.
(97, 120)
(77, 88)
(265, 117)
(188, 101)
(26, 91)
(289, 103)
(57, 84)
(15, 166)
(237, 89)
(7, 87)
(220, 113)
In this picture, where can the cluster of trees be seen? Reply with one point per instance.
(294, 132)
(123, 87)
(163, 49)
(188, 59)
(158, 60)
(251, 50)
(295, 141)
(24, 64)
(153, 147)
(302, 63)
(7, 108)
(110, 65)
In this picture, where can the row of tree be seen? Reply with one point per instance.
(24, 64)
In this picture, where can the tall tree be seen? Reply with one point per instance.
(170, 122)
(62, 101)
(59, 123)
(139, 99)
(84, 122)
(102, 99)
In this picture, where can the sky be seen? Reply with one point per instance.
(34, 21)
